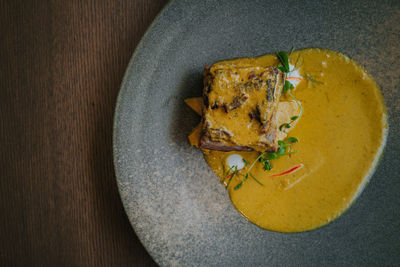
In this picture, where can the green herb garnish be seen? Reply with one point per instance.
(291, 50)
(255, 179)
(265, 157)
(241, 182)
(284, 60)
(285, 67)
(287, 86)
(289, 124)
(298, 104)
(265, 162)
(286, 125)
(292, 140)
(246, 176)
(234, 171)
(313, 80)
(287, 89)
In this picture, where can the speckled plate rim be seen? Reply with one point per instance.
(118, 106)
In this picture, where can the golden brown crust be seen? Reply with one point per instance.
(240, 103)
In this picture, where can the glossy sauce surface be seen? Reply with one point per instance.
(341, 136)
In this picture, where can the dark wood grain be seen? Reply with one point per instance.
(61, 64)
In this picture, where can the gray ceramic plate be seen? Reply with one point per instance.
(176, 205)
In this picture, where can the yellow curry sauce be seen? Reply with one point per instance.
(341, 136)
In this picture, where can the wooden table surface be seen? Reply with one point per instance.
(61, 65)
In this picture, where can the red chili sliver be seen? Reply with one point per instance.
(294, 78)
(229, 176)
(288, 171)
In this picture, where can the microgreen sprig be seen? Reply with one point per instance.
(288, 124)
(233, 171)
(288, 86)
(265, 157)
(247, 175)
(313, 80)
(284, 60)
(298, 104)
(294, 118)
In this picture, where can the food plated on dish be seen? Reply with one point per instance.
(293, 136)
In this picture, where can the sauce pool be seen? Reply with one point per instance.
(341, 136)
